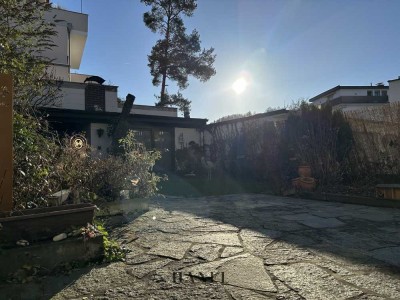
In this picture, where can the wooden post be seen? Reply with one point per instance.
(6, 144)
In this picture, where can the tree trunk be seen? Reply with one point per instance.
(121, 126)
(164, 71)
(163, 85)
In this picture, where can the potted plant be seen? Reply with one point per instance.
(304, 170)
(307, 183)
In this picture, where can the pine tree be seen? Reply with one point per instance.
(177, 55)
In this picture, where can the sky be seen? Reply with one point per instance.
(286, 50)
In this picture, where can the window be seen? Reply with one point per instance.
(377, 93)
(384, 93)
(164, 141)
(369, 93)
(143, 136)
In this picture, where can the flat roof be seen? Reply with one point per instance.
(348, 87)
(256, 116)
(150, 107)
(77, 116)
(57, 7)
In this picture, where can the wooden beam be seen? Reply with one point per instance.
(6, 146)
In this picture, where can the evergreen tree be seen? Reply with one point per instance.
(24, 36)
(177, 55)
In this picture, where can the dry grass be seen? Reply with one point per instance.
(376, 133)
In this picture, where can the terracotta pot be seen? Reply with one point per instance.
(304, 171)
(296, 183)
(307, 183)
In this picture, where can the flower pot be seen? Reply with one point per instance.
(296, 183)
(304, 171)
(43, 223)
(307, 183)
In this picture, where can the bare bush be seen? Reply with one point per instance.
(376, 134)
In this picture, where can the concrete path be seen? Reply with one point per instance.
(251, 247)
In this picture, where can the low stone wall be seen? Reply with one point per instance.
(369, 201)
(45, 257)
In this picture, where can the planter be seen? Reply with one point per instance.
(304, 171)
(296, 183)
(49, 256)
(307, 183)
(388, 191)
(352, 199)
(59, 197)
(43, 223)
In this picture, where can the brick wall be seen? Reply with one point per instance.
(95, 97)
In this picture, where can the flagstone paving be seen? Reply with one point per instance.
(251, 247)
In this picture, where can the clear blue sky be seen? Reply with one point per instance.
(288, 49)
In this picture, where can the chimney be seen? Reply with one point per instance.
(95, 97)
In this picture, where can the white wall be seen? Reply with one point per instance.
(59, 53)
(112, 106)
(69, 46)
(347, 92)
(154, 111)
(73, 98)
(111, 101)
(188, 134)
(59, 72)
(76, 77)
(99, 145)
(394, 91)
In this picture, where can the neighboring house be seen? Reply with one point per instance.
(92, 108)
(348, 98)
(394, 90)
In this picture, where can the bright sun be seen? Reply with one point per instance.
(240, 85)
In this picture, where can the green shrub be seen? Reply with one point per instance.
(188, 159)
(112, 250)
(139, 164)
(75, 170)
(90, 177)
(43, 165)
(35, 150)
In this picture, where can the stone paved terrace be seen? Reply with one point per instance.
(265, 247)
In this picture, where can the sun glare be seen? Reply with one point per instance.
(240, 85)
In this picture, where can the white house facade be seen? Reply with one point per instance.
(394, 90)
(348, 98)
(93, 108)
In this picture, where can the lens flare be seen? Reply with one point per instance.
(240, 85)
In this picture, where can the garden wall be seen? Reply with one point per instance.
(348, 152)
